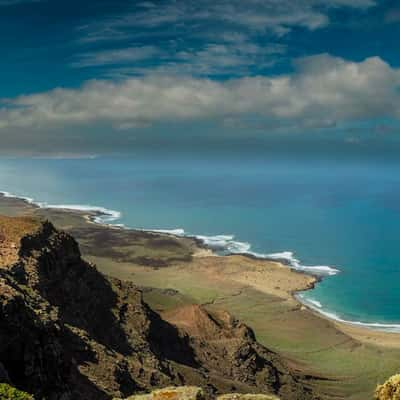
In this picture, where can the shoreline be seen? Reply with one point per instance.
(104, 217)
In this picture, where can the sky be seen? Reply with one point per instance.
(94, 77)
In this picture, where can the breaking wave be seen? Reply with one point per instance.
(222, 244)
(13, 196)
(287, 257)
(100, 215)
(318, 307)
(226, 244)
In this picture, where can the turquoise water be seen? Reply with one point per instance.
(343, 216)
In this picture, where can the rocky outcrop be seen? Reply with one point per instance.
(390, 390)
(171, 393)
(194, 393)
(224, 344)
(68, 332)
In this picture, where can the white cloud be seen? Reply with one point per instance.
(116, 56)
(277, 16)
(322, 91)
(203, 37)
(214, 59)
(236, 59)
(217, 58)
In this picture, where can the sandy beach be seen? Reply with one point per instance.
(347, 360)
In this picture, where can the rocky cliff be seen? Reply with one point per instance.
(68, 332)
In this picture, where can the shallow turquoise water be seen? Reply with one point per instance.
(345, 216)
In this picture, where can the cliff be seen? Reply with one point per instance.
(69, 332)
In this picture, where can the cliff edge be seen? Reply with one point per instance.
(69, 332)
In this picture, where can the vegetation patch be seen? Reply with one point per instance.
(8, 392)
(390, 390)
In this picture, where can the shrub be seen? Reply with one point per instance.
(390, 390)
(7, 392)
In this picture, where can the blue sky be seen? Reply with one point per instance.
(96, 75)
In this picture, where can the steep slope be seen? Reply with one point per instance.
(68, 332)
(222, 343)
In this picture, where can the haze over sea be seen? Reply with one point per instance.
(343, 215)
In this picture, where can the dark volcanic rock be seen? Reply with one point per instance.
(68, 332)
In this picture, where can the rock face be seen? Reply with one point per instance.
(68, 332)
(390, 390)
(172, 393)
(223, 344)
(194, 393)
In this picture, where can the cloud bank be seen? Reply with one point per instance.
(201, 37)
(277, 16)
(322, 91)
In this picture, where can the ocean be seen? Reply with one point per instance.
(338, 220)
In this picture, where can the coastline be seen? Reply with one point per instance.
(344, 361)
(216, 246)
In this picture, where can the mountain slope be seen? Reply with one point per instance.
(69, 332)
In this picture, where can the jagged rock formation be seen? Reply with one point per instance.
(390, 390)
(172, 393)
(194, 393)
(221, 343)
(68, 332)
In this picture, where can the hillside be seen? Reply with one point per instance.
(69, 332)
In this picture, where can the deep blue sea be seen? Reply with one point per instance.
(343, 215)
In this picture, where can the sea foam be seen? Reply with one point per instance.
(13, 196)
(174, 232)
(103, 215)
(287, 257)
(317, 306)
(223, 244)
(226, 244)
